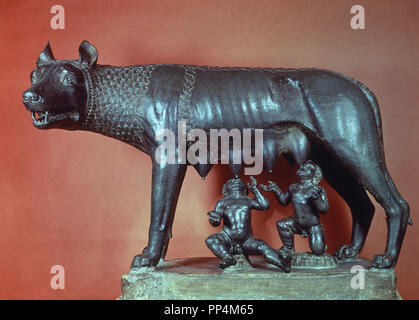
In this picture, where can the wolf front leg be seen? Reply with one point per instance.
(166, 185)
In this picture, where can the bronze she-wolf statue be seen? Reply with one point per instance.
(305, 114)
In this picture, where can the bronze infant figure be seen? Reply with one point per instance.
(308, 199)
(236, 237)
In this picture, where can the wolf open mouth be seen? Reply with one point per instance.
(45, 118)
(40, 118)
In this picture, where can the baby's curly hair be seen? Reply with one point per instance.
(318, 175)
(234, 184)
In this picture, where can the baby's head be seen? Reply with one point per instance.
(310, 171)
(235, 185)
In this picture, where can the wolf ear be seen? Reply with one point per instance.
(88, 54)
(46, 56)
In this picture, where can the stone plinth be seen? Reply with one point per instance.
(199, 278)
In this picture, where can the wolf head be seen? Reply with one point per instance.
(59, 91)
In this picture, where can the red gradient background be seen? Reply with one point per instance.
(82, 200)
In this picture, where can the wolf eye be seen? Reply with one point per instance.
(67, 80)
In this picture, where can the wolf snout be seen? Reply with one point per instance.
(30, 98)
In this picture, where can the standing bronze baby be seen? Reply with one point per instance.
(308, 199)
(236, 237)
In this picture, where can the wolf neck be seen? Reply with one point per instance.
(115, 99)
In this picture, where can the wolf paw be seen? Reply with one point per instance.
(145, 259)
(346, 251)
(383, 261)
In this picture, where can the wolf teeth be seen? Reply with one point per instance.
(43, 117)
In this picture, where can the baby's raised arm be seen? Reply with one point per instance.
(320, 199)
(283, 198)
(260, 202)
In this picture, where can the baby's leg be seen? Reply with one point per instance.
(254, 246)
(286, 230)
(220, 245)
(316, 239)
